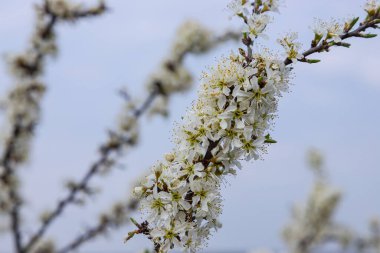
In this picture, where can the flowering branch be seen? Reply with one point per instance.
(230, 121)
(327, 37)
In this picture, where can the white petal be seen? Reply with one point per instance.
(223, 124)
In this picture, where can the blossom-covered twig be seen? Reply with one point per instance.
(171, 78)
(330, 34)
(230, 121)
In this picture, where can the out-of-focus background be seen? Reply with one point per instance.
(333, 105)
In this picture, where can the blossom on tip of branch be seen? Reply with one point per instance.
(239, 7)
(254, 15)
(256, 25)
(291, 47)
(372, 7)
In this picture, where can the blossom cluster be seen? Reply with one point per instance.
(229, 122)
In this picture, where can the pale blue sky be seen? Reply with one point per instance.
(333, 106)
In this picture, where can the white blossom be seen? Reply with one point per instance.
(372, 7)
(291, 47)
(329, 29)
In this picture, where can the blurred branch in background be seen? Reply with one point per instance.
(23, 102)
(312, 227)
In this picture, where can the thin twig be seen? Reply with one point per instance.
(106, 222)
(325, 46)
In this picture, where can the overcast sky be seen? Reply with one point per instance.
(333, 106)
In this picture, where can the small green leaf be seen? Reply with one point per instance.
(135, 222)
(311, 61)
(368, 35)
(340, 44)
(268, 139)
(350, 25)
